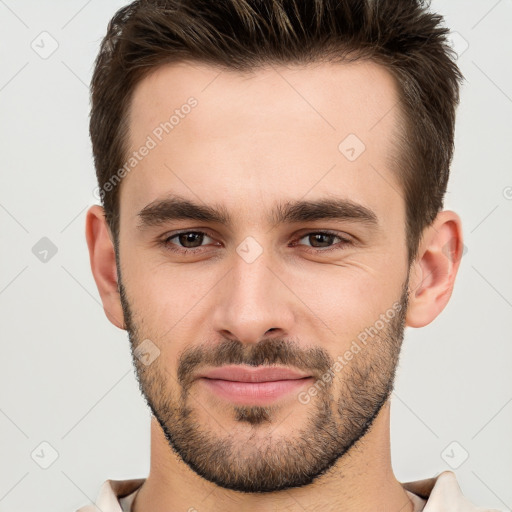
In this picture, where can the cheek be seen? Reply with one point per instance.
(167, 303)
(162, 289)
(348, 298)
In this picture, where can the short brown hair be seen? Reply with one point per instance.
(403, 35)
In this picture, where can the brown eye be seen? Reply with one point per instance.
(318, 240)
(324, 241)
(190, 240)
(186, 241)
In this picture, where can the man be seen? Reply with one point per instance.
(272, 175)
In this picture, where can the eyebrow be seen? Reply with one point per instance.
(174, 208)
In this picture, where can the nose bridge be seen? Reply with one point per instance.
(253, 299)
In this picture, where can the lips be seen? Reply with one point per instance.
(246, 385)
(252, 374)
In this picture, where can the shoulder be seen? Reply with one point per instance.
(443, 494)
(110, 493)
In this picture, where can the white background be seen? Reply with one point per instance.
(66, 374)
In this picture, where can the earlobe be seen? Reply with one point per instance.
(433, 273)
(103, 264)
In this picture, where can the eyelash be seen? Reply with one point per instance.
(172, 247)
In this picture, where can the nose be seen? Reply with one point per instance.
(253, 302)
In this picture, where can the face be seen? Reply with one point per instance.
(262, 264)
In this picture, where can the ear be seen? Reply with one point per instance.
(434, 269)
(103, 264)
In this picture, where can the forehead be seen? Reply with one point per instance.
(274, 132)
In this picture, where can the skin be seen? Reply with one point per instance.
(252, 141)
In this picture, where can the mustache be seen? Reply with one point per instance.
(264, 353)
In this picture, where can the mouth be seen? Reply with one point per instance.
(247, 385)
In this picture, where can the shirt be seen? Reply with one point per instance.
(439, 494)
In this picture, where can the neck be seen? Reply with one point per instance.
(362, 480)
